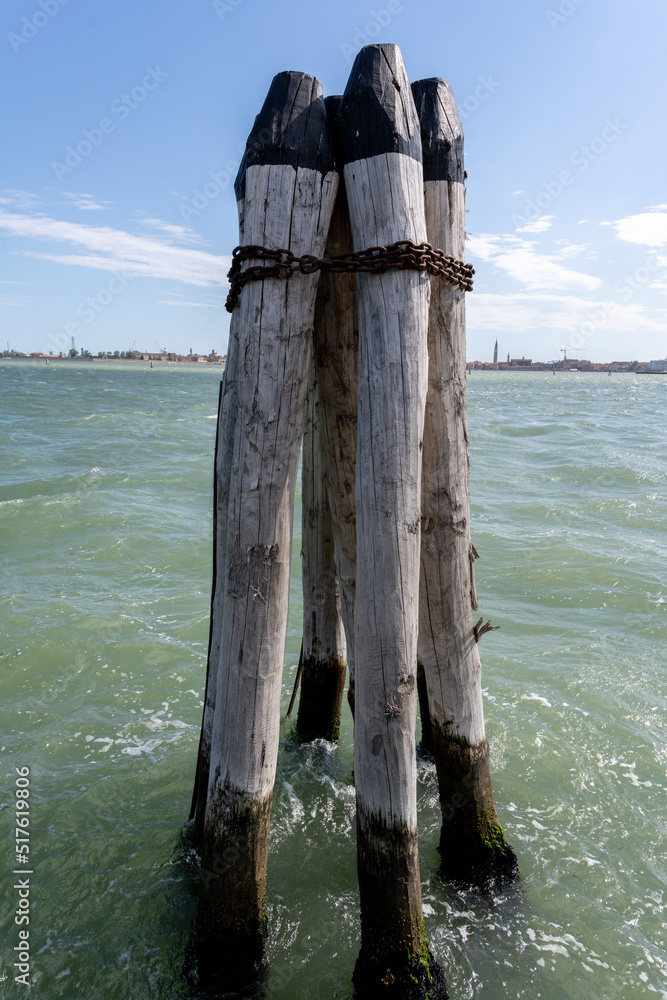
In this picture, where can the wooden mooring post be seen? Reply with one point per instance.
(382, 159)
(472, 844)
(369, 372)
(335, 349)
(287, 185)
(228, 415)
(323, 652)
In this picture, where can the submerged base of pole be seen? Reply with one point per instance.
(228, 937)
(423, 980)
(216, 977)
(473, 848)
(199, 797)
(394, 960)
(480, 863)
(322, 685)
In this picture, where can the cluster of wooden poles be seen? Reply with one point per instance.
(368, 372)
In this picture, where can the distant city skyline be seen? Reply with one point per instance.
(75, 352)
(496, 350)
(582, 364)
(183, 353)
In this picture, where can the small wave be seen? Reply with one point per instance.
(536, 697)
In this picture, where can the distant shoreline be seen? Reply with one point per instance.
(205, 365)
(562, 371)
(116, 361)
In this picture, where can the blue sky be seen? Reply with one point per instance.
(563, 107)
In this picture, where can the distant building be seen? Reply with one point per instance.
(658, 366)
(495, 354)
(525, 362)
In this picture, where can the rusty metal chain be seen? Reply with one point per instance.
(375, 260)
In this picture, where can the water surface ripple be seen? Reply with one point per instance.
(105, 497)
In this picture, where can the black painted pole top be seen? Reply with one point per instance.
(441, 130)
(291, 128)
(332, 105)
(377, 114)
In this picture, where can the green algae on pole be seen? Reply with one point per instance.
(288, 185)
(472, 844)
(381, 153)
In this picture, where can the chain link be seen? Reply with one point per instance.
(375, 260)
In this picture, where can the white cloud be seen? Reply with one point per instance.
(648, 228)
(85, 202)
(518, 258)
(523, 312)
(660, 284)
(181, 233)
(24, 201)
(538, 226)
(196, 305)
(212, 301)
(567, 249)
(116, 250)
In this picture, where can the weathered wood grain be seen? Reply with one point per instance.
(335, 349)
(228, 410)
(472, 844)
(381, 149)
(288, 185)
(323, 673)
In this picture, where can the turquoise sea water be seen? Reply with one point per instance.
(105, 497)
